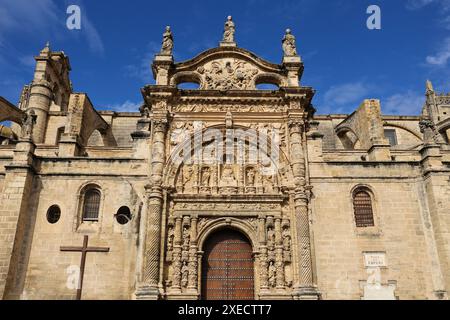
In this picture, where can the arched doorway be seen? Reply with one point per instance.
(227, 267)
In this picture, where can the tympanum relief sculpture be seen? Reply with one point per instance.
(227, 74)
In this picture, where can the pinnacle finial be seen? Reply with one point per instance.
(429, 86)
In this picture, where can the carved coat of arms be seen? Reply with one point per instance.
(228, 75)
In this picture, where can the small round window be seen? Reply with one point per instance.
(123, 215)
(53, 214)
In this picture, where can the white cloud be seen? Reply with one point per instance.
(27, 16)
(43, 17)
(418, 4)
(407, 103)
(127, 106)
(344, 96)
(90, 32)
(442, 56)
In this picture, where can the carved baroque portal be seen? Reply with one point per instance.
(230, 161)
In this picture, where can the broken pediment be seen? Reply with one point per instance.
(223, 68)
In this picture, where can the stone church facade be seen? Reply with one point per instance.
(223, 191)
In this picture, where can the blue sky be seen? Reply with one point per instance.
(344, 61)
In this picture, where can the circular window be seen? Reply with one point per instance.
(53, 214)
(123, 215)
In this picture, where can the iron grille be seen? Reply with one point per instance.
(362, 204)
(91, 205)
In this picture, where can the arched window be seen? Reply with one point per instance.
(91, 205)
(362, 205)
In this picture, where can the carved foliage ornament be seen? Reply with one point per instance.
(227, 75)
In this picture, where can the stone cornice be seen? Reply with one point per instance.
(229, 52)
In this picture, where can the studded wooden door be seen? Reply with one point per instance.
(227, 267)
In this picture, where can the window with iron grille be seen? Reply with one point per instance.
(91, 205)
(362, 204)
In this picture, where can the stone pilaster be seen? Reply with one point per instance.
(294, 67)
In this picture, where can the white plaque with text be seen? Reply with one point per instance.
(375, 259)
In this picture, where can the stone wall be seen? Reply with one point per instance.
(398, 232)
(108, 275)
(56, 121)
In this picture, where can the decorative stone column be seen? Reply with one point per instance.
(149, 289)
(304, 286)
(264, 277)
(279, 255)
(193, 265)
(176, 265)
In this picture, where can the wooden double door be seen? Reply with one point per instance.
(227, 267)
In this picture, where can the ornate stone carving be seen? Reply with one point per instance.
(270, 238)
(289, 46)
(201, 223)
(24, 97)
(29, 120)
(193, 270)
(206, 176)
(176, 271)
(227, 75)
(170, 239)
(250, 177)
(188, 178)
(167, 43)
(264, 269)
(286, 239)
(229, 207)
(184, 275)
(144, 110)
(180, 132)
(237, 108)
(430, 134)
(443, 99)
(186, 237)
(228, 177)
(272, 274)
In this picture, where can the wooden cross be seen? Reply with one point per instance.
(84, 250)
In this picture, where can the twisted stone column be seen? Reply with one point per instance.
(149, 288)
(151, 268)
(304, 241)
(305, 282)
